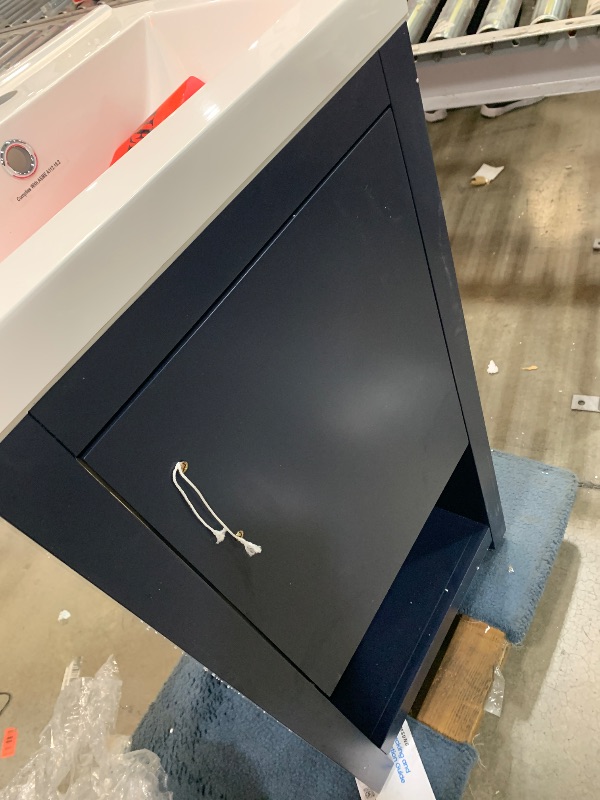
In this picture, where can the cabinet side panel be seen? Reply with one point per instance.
(398, 65)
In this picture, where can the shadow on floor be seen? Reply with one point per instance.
(525, 672)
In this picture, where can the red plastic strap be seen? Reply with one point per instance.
(171, 104)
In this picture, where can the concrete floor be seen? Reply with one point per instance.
(531, 286)
(35, 648)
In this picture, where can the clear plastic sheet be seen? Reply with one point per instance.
(495, 698)
(80, 758)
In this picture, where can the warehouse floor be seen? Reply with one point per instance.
(531, 288)
(530, 285)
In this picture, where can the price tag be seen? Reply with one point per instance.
(9, 743)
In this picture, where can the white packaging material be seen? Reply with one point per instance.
(408, 780)
(495, 699)
(80, 758)
(485, 174)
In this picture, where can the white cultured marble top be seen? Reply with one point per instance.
(80, 246)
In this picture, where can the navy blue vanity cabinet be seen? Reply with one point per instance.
(309, 404)
(307, 356)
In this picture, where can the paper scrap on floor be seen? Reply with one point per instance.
(485, 174)
(408, 780)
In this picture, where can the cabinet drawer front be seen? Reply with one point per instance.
(317, 411)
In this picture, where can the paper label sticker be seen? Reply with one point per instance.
(408, 780)
(9, 743)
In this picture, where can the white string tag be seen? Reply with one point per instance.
(219, 534)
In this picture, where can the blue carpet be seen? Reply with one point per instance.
(448, 763)
(537, 500)
(216, 744)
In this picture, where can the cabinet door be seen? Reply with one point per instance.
(317, 410)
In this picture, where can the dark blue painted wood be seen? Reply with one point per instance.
(317, 411)
(463, 493)
(72, 515)
(382, 671)
(424, 655)
(399, 69)
(105, 377)
(286, 472)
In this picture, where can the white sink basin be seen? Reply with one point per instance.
(80, 240)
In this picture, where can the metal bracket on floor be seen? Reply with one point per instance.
(585, 402)
(534, 61)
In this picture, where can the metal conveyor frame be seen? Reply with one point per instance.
(533, 61)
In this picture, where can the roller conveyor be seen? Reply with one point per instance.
(501, 61)
(26, 25)
(492, 58)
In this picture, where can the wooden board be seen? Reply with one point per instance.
(455, 699)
